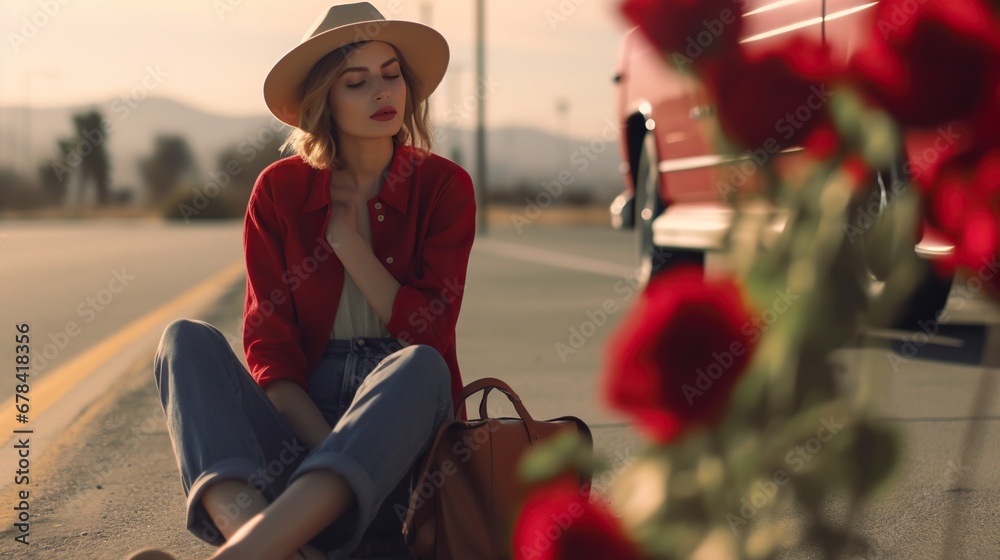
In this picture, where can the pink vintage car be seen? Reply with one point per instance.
(674, 183)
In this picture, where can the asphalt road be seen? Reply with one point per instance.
(99, 276)
(108, 482)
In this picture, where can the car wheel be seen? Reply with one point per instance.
(881, 252)
(876, 242)
(653, 260)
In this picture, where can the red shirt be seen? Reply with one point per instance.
(423, 224)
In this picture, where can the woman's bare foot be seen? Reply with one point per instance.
(308, 505)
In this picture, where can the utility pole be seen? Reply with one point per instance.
(562, 137)
(26, 108)
(454, 81)
(426, 11)
(480, 119)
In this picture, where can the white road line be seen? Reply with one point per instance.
(552, 258)
(60, 398)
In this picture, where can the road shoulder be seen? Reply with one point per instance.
(110, 484)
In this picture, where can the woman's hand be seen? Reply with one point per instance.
(343, 222)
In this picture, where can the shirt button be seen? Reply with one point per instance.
(378, 205)
(381, 217)
(388, 260)
(361, 342)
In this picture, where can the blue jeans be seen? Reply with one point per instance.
(384, 401)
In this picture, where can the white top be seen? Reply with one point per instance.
(355, 316)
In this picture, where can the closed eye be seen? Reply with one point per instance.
(362, 82)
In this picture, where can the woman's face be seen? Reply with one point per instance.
(369, 81)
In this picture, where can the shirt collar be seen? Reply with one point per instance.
(395, 190)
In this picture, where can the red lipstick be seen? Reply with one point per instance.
(384, 114)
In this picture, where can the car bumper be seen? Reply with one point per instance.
(703, 227)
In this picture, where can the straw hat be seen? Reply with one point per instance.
(425, 50)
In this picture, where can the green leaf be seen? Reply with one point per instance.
(879, 139)
(877, 451)
(847, 112)
(552, 457)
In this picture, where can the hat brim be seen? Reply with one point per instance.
(425, 50)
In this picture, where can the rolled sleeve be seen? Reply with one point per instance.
(426, 307)
(271, 338)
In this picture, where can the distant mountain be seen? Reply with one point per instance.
(515, 155)
(521, 155)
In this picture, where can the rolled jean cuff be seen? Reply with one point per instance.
(361, 485)
(199, 523)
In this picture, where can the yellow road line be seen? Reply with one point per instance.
(55, 384)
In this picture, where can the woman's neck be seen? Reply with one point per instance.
(366, 161)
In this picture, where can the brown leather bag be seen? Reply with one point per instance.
(464, 500)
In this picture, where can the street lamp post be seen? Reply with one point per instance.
(26, 130)
(481, 118)
(562, 137)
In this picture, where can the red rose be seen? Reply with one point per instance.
(931, 65)
(675, 358)
(689, 28)
(557, 523)
(774, 99)
(986, 123)
(927, 150)
(824, 142)
(964, 205)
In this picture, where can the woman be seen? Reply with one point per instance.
(356, 250)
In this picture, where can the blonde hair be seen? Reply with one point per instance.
(315, 138)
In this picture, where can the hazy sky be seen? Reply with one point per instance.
(214, 54)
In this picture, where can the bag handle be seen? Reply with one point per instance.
(490, 383)
(416, 475)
